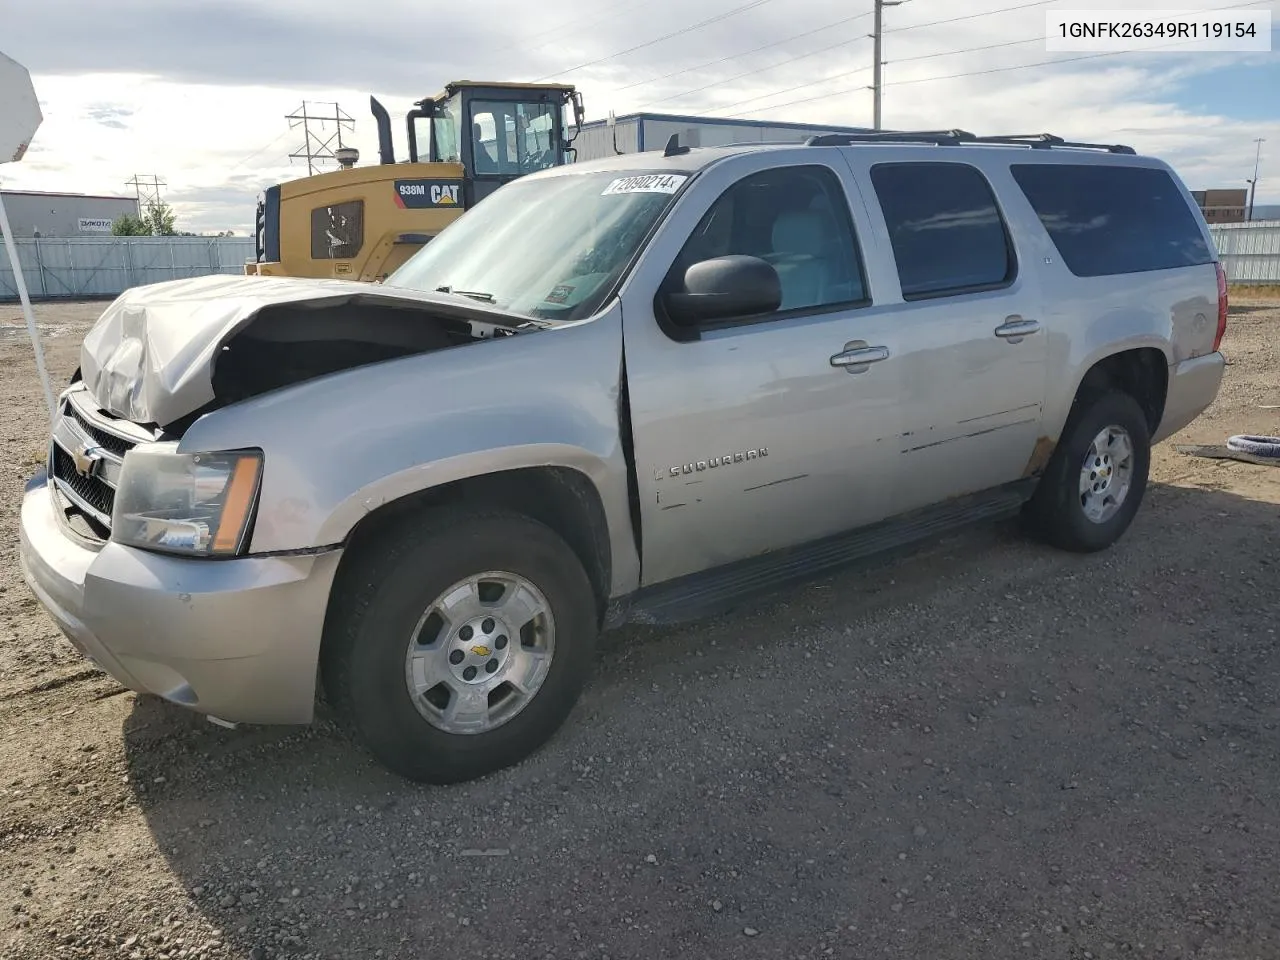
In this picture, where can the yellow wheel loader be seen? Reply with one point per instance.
(361, 223)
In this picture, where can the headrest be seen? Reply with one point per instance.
(802, 232)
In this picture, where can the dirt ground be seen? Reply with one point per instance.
(987, 749)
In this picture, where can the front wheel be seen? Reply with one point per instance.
(460, 645)
(1096, 478)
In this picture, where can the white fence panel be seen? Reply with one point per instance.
(89, 267)
(1250, 252)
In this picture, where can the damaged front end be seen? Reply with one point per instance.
(162, 356)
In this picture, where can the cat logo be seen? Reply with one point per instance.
(442, 193)
(423, 194)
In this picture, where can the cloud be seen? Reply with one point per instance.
(205, 88)
(109, 115)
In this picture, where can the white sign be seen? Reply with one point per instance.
(1168, 31)
(19, 110)
(94, 225)
(653, 183)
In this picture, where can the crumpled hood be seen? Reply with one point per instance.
(149, 358)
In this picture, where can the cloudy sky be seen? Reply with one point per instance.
(197, 91)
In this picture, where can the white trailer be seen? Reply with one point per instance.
(638, 132)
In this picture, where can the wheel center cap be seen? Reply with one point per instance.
(478, 649)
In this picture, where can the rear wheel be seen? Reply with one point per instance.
(460, 645)
(1096, 478)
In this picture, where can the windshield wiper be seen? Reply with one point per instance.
(473, 294)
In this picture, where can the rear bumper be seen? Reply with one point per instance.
(238, 639)
(1193, 385)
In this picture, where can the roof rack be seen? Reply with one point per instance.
(955, 138)
(945, 138)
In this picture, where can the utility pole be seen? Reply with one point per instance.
(315, 149)
(1253, 184)
(877, 83)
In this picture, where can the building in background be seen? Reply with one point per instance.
(39, 214)
(638, 132)
(1223, 206)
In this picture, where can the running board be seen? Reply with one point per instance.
(711, 592)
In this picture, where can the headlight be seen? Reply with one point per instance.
(199, 504)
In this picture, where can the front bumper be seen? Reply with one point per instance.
(238, 639)
(1193, 385)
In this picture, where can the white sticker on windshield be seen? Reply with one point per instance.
(653, 183)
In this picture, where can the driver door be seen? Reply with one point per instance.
(748, 438)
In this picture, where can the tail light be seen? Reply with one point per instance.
(1222, 306)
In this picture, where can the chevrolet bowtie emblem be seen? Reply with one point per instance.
(480, 650)
(84, 458)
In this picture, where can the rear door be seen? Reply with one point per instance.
(965, 306)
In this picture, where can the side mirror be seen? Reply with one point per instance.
(724, 288)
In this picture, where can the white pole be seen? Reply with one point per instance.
(27, 312)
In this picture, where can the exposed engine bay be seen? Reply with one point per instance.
(291, 343)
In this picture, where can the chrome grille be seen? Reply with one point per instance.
(92, 492)
(85, 456)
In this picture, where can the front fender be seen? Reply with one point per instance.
(340, 446)
(601, 472)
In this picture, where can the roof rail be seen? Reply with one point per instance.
(955, 138)
(944, 138)
(1045, 140)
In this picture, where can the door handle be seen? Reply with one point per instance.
(1015, 328)
(855, 356)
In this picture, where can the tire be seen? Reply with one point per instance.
(1057, 510)
(380, 603)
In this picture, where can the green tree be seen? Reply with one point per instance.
(130, 226)
(160, 218)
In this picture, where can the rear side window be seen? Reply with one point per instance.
(947, 233)
(1108, 220)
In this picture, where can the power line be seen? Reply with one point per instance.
(953, 76)
(524, 42)
(952, 53)
(751, 73)
(972, 16)
(260, 150)
(916, 26)
(735, 56)
(649, 43)
(849, 73)
(1049, 63)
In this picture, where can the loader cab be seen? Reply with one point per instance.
(497, 131)
(363, 222)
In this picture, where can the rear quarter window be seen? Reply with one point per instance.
(1107, 220)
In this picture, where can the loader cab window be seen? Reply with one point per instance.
(511, 138)
(337, 231)
(447, 145)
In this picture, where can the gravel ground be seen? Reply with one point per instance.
(987, 749)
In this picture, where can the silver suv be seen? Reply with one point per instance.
(645, 387)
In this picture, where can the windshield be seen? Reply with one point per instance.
(548, 248)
